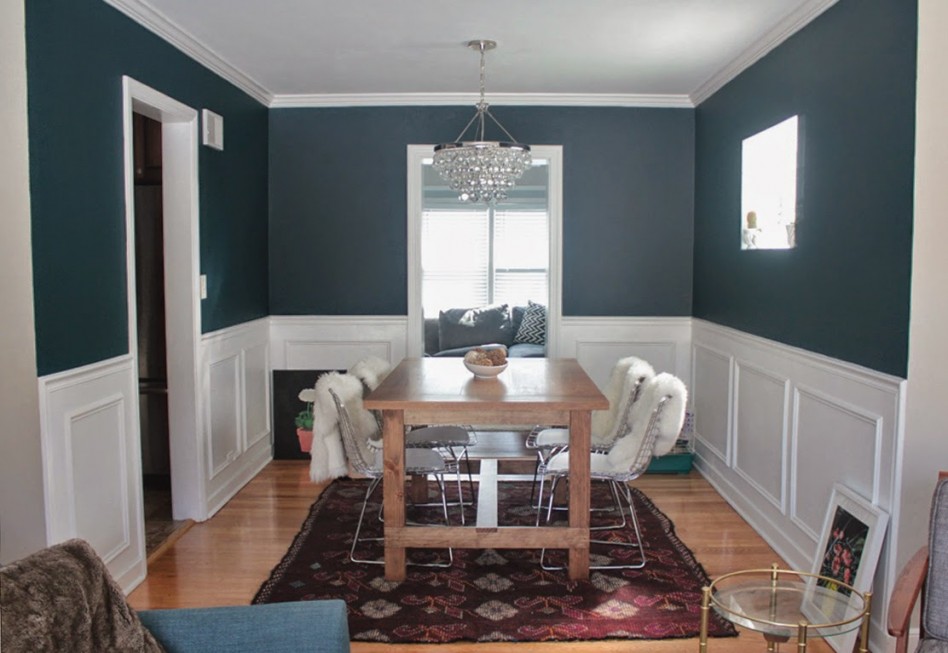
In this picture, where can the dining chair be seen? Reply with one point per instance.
(455, 441)
(422, 462)
(925, 577)
(625, 383)
(649, 428)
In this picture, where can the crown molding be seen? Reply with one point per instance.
(153, 20)
(496, 99)
(150, 18)
(790, 25)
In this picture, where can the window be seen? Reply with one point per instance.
(474, 254)
(769, 187)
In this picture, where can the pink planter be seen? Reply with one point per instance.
(306, 439)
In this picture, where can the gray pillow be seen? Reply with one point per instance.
(533, 327)
(464, 327)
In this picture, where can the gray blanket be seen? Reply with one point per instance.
(62, 600)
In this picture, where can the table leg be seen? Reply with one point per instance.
(393, 488)
(419, 488)
(801, 637)
(705, 608)
(864, 629)
(579, 427)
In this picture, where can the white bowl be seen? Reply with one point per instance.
(485, 371)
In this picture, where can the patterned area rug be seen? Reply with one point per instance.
(493, 595)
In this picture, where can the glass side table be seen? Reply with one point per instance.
(782, 603)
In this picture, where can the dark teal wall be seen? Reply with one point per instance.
(77, 52)
(844, 291)
(338, 202)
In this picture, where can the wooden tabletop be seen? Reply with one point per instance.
(542, 383)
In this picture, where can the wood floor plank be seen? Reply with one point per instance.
(224, 560)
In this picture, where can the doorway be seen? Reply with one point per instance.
(161, 203)
(160, 524)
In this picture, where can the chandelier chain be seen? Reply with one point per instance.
(481, 170)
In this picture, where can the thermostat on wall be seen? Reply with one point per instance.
(213, 129)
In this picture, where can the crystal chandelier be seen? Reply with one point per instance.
(480, 170)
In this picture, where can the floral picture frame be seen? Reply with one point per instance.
(848, 549)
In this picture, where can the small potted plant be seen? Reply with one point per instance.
(304, 420)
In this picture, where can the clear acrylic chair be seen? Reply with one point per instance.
(622, 391)
(649, 428)
(423, 462)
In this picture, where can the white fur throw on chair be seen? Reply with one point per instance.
(671, 419)
(371, 371)
(605, 424)
(328, 455)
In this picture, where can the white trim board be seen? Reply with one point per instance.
(154, 21)
(179, 129)
(150, 18)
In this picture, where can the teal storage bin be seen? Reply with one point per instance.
(673, 463)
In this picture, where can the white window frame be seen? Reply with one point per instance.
(415, 345)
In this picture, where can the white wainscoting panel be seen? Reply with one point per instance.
(223, 409)
(710, 395)
(257, 391)
(598, 342)
(335, 342)
(802, 421)
(760, 432)
(92, 463)
(236, 387)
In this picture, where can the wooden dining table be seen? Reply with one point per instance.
(432, 391)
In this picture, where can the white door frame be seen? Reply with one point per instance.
(416, 155)
(179, 151)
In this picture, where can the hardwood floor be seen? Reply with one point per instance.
(224, 560)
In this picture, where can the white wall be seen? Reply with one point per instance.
(926, 435)
(22, 521)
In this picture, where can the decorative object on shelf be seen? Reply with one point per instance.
(481, 170)
(848, 549)
(304, 420)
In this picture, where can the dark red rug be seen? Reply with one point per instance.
(493, 595)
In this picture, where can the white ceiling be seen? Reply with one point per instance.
(318, 52)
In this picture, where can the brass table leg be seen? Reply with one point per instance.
(801, 637)
(864, 635)
(705, 607)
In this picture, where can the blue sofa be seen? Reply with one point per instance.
(457, 331)
(62, 599)
(316, 626)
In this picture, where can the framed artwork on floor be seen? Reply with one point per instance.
(848, 550)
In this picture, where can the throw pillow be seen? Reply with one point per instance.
(463, 327)
(532, 329)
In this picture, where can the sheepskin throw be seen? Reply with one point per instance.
(667, 427)
(626, 375)
(63, 599)
(328, 458)
(371, 371)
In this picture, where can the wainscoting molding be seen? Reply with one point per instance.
(336, 342)
(328, 342)
(597, 342)
(90, 433)
(776, 426)
(235, 370)
(92, 463)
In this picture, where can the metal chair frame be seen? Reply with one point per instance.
(545, 451)
(416, 462)
(619, 482)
